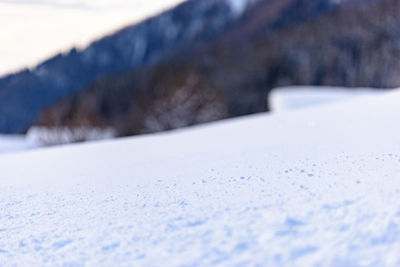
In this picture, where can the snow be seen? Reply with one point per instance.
(51, 136)
(238, 6)
(315, 187)
(295, 97)
(12, 143)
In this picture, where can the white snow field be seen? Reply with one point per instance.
(315, 187)
(295, 97)
(12, 143)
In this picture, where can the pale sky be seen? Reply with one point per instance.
(32, 30)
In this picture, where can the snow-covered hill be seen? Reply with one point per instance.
(298, 97)
(315, 187)
(15, 143)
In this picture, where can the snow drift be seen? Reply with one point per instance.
(318, 186)
(297, 97)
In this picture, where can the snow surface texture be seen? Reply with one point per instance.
(296, 97)
(316, 187)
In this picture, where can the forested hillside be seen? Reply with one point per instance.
(355, 44)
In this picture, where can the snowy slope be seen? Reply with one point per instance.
(12, 143)
(296, 97)
(314, 187)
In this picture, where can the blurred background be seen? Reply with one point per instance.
(82, 70)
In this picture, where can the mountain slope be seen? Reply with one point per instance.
(25, 94)
(175, 34)
(274, 43)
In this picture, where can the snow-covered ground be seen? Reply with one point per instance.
(315, 187)
(53, 26)
(12, 143)
(296, 97)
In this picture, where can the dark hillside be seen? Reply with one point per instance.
(272, 44)
(25, 94)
